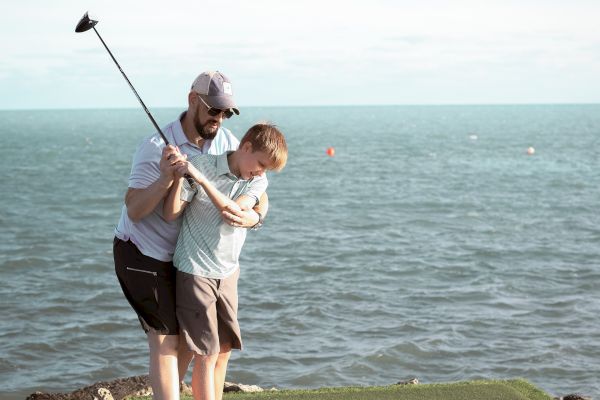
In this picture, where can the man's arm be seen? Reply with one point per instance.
(141, 202)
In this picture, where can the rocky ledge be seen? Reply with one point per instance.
(120, 389)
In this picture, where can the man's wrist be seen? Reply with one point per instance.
(260, 222)
(165, 182)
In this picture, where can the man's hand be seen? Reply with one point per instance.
(141, 202)
(238, 218)
(170, 160)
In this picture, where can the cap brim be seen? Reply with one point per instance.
(222, 103)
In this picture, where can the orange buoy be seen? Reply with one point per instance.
(330, 151)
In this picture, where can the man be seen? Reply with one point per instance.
(145, 242)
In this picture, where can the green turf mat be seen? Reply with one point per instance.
(474, 390)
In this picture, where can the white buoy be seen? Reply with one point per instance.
(530, 151)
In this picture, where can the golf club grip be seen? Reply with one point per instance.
(190, 180)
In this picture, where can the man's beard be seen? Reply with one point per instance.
(205, 131)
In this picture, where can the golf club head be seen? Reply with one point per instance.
(86, 23)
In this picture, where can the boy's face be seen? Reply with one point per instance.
(252, 163)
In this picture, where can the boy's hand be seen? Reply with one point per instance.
(186, 167)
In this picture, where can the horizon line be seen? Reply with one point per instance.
(317, 106)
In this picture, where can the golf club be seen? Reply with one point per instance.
(85, 24)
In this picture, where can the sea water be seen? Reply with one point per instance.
(431, 246)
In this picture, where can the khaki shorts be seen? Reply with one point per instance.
(207, 313)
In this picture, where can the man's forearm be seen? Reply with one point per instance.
(141, 202)
(263, 205)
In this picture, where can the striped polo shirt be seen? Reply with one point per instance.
(207, 246)
(152, 235)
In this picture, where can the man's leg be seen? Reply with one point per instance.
(184, 357)
(163, 366)
(221, 370)
(203, 377)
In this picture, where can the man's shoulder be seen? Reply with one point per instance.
(224, 141)
(227, 133)
(153, 141)
(150, 147)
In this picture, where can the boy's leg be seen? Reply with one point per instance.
(207, 313)
(221, 370)
(229, 329)
(203, 377)
(164, 377)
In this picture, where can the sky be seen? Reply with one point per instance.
(301, 53)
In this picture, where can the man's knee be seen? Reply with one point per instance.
(165, 345)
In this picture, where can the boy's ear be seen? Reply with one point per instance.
(247, 147)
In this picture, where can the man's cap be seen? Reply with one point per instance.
(215, 89)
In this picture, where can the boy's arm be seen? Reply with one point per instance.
(173, 205)
(250, 201)
(245, 202)
(247, 218)
(218, 199)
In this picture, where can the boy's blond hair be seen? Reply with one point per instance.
(265, 137)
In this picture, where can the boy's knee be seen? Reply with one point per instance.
(225, 348)
(210, 359)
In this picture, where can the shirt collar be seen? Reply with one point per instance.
(223, 164)
(178, 135)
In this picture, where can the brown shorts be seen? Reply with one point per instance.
(207, 313)
(149, 286)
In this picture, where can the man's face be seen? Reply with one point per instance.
(253, 163)
(206, 125)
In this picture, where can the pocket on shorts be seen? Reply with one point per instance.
(143, 288)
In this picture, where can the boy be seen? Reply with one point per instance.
(207, 251)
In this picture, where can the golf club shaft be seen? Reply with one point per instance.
(187, 177)
(132, 88)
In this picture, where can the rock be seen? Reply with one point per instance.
(121, 389)
(118, 389)
(104, 394)
(412, 381)
(574, 396)
(238, 387)
(185, 389)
